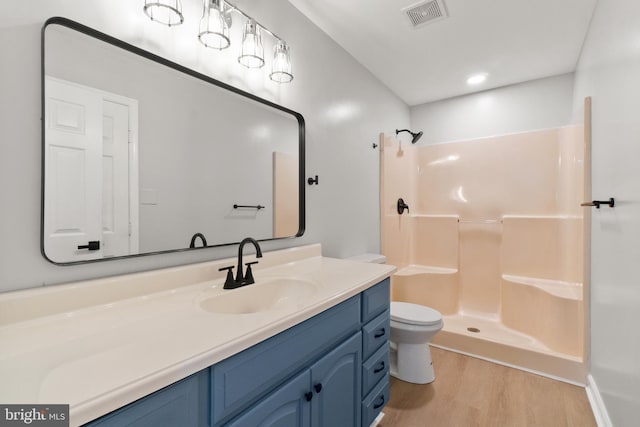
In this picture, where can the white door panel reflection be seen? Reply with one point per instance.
(87, 173)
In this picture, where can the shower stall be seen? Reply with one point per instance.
(495, 239)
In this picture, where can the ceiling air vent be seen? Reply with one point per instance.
(426, 12)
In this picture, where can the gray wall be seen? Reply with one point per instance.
(537, 104)
(344, 106)
(608, 71)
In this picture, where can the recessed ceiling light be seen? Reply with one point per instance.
(476, 79)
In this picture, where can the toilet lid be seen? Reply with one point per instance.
(414, 314)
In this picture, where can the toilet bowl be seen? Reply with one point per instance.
(412, 327)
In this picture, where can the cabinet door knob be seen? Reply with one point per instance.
(380, 333)
(318, 387)
(308, 395)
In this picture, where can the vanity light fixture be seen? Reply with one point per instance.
(213, 32)
(167, 12)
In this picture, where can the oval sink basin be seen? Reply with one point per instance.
(265, 295)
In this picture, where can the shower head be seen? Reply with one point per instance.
(414, 136)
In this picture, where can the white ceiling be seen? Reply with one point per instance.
(511, 40)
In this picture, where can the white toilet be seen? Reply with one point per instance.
(412, 327)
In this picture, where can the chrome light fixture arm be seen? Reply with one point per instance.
(233, 8)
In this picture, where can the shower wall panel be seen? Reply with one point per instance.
(479, 269)
(434, 240)
(487, 178)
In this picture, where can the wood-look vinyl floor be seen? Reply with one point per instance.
(472, 392)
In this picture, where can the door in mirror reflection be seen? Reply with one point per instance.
(91, 178)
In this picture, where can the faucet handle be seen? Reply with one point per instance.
(229, 283)
(248, 277)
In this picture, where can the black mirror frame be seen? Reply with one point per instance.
(68, 23)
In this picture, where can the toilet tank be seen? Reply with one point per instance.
(372, 258)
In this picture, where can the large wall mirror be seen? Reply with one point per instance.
(140, 154)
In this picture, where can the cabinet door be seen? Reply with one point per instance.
(336, 386)
(287, 406)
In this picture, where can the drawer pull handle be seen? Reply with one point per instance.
(380, 369)
(308, 395)
(380, 334)
(318, 387)
(379, 405)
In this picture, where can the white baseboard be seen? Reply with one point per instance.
(377, 420)
(510, 365)
(597, 405)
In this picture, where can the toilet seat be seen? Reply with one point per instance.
(414, 314)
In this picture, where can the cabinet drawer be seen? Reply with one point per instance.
(375, 300)
(374, 402)
(374, 334)
(241, 379)
(374, 369)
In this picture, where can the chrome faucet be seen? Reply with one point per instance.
(242, 279)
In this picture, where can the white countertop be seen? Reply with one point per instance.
(100, 356)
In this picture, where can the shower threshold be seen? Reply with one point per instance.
(497, 343)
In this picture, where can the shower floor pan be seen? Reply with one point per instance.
(499, 344)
